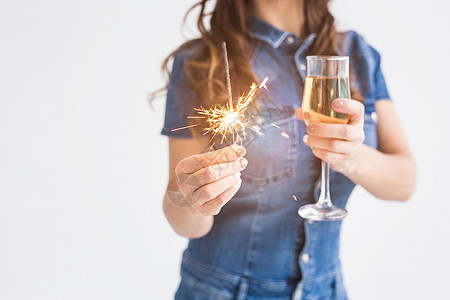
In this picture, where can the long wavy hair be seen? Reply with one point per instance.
(228, 22)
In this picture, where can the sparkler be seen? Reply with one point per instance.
(230, 119)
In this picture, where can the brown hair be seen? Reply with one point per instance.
(229, 23)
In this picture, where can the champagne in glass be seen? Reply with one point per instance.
(327, 78)
(319, 93)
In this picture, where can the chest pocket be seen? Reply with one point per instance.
(272, 157)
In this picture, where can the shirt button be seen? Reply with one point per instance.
(310, 222)
(298, 294)
(374, 116)
(302, 67)
(305, 258)
(290, 40)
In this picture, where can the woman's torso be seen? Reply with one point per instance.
(259, 247)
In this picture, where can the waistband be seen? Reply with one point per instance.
(234, 286)
(219, 284)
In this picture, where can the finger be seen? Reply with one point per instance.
(299, 114)
(212, 190)
(353, 108)
(214, 206)
(213, 173)
(329, 144)
(330, 157)
(196, 162)
(337, 131)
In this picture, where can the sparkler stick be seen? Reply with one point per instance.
(227, 70)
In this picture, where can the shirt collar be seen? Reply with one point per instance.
(275, 37)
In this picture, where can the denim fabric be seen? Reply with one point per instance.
(259, 248)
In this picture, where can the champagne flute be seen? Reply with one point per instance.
(327, 78)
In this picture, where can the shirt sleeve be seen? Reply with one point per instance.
(380, 88)
(180, 101)
(365, 63)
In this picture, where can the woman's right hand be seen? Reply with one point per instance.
(209, 180)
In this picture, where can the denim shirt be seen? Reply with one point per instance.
(259, 247)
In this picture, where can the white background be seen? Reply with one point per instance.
(83, 167)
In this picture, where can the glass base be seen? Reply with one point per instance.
(322, 213)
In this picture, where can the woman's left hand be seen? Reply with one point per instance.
(338, 144)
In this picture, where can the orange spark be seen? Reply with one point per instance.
(295, 198)
(285, 135)
(274, 125)
(263, 84)
(211, 148)
(189, 126)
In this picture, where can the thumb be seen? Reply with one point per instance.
(299, 114)
(353, 108)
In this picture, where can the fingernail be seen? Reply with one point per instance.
(305, 138)
(240, 151)
(240, 181)
(311, 129)
(238, 175)
(243, 162)
(338, 103)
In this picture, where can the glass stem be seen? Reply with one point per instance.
(325, 199)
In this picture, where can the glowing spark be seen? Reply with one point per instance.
(295, 198)
(257, 129)
(274, 125)
(263, 84)
(285, 135)
(211, 148)
(189, 126)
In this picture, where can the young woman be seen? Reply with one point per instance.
(235, 204)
